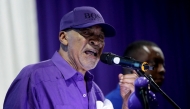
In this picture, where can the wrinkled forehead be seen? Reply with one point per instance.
(153, 50)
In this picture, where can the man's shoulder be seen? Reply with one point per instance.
(114, 94)
(40, 65)
(41, 71)
(35, 67)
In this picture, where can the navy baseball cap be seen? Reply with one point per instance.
(83, 17)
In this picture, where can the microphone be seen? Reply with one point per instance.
(113, 59)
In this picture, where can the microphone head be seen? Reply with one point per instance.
(116, 60)
(107, 58)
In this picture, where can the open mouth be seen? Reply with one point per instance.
(91, 52)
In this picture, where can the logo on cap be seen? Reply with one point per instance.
(92, 16)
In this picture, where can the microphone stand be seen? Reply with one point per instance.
(157, 88)
(144, 97)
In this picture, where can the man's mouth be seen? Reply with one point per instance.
(159, 80)
(91, 52)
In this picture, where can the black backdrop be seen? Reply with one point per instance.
(166, 22)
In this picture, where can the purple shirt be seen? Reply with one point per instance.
(52, 84)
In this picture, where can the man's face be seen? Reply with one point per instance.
(154, 56)
(85, 47)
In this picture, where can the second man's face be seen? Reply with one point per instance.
(155, 58)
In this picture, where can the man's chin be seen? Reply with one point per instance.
(89, 66)
(159, 82)
(155, 90)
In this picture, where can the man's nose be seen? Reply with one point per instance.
(96, 43)
(161, 68)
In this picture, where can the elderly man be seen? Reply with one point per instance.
(64, 81)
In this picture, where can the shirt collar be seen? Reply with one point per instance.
(66, 70)
(88, 76)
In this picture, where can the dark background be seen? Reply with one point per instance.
(166, 22)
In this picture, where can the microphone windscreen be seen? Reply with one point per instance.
(107, 58)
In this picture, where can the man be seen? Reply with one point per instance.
(144, 51)
(64, 81)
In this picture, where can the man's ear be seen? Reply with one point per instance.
(63, 37)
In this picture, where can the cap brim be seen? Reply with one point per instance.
(108, 30)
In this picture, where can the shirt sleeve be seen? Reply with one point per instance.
(21, 94)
